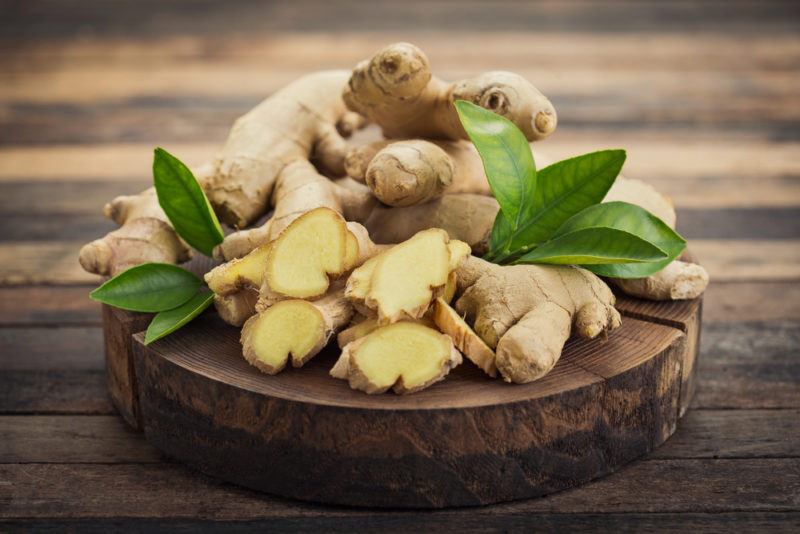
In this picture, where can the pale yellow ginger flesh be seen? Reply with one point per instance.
(295, 330)
(312, 250)
(449, 322)
(527, 312)
(404, 356)
(239, 273)
(401, 282)
(364, 327)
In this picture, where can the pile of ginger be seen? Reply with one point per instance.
(380, 242)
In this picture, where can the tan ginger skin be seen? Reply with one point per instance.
(264, 162)
(405, 173)
(526, 313)
(396, 90)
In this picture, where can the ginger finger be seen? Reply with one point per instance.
(395, 90)
(145, 235)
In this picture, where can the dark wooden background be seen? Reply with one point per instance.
(704, 96)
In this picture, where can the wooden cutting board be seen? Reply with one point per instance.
(468, 440)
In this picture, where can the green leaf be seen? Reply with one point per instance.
(594, 246)
(506, 157)
(150, 287)
(168, 321)
(634, 220)
(184, 202)
(564, 189)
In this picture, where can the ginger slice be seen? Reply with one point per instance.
(404, 356)
(311, 250)
(240, 273)
(367, 326)
(464, 338)
(401, 282)
(293, 329)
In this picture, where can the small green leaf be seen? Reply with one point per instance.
(168, 321)
(634, 220)
(594, 246)
(506, 157)
(150, 287)
(184, 202)
(564, 189)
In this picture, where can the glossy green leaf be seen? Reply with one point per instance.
(594, 246)
(150, 287)
(507, 160)
(566, 188)
(184, 202)
(634, 220)
(168, 321)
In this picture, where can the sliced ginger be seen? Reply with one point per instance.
(401, 282)
(404, 356)
(305, 255)
(240, 273)
(464, 338)
(293, 329)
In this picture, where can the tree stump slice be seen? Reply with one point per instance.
(468, 440)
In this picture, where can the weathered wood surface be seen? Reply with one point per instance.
(703, 96)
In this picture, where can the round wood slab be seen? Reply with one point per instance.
(468, 440)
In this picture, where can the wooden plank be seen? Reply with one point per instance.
(167, 120)
(72, 439)
(73, 348)
(38, 305)
(40, 262)
(173, 491)
(487, 49)
(466, 521)
(89, 17)
(54, 392)
(106, 439)
(118, 162)
(749, 260)
(753, 365)
(751, 301)
(734, 434)
(248, 76)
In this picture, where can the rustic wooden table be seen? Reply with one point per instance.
(704, 98)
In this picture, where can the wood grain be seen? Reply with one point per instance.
(174, 491)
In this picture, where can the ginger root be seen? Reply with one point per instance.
(395, 90)
(403, 356)
(293, 329)
(411, 172)
(401, 282)
(145, 235)
(677, 281)
(466, 217)
(527, 312)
